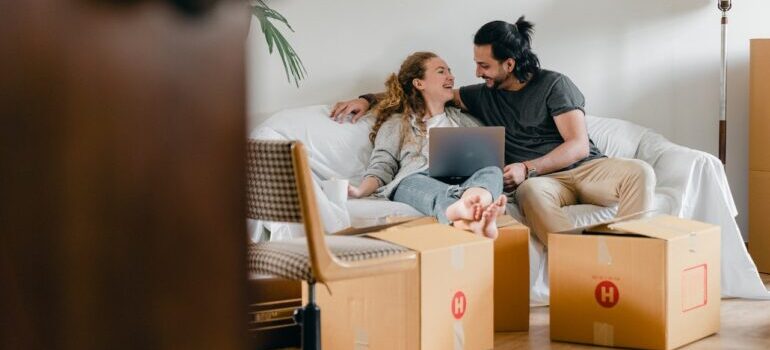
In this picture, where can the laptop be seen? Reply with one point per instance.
(456, 153)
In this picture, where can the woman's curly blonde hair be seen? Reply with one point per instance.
(402, 97)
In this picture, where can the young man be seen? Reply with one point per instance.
(551, 161)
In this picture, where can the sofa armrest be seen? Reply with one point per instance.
(673, 164)
(682, 173)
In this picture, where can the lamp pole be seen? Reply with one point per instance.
(724, 6)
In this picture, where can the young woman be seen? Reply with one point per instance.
(416, 101)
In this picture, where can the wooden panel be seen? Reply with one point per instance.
(759, 153)
(272, 302)
(759, 105)
(759, 219)
(121, 136)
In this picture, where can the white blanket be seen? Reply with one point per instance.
(698, 183)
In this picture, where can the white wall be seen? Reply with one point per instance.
(653, 62)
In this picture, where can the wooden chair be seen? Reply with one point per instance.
(280, 189)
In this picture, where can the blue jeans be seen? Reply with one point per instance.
(432, 197)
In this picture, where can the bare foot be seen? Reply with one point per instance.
(474, 226)
(477, 227)
(486, 225)
(488, 220)
(467, 208)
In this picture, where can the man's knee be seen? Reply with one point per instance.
(642, 172)
(533, 190)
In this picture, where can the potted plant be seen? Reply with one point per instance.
(292, 64)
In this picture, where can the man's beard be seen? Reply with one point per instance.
(497, 82)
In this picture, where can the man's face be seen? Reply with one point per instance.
(488, 68)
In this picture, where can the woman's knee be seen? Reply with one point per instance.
(492, 170)
(489, 178)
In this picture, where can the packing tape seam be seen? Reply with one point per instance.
(361, 341)
(603, 252)
(604, 334)
(458, 257)
(459, 335)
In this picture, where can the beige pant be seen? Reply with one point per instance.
(629, 183)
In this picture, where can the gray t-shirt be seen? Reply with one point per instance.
(528, 114)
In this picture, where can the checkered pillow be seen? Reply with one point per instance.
(290, 259)
(271, 182)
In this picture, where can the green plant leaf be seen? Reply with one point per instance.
(292, 64)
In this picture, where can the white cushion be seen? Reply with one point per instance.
(615, 137)
(335, 151)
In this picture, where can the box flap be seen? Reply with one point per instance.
(393, 219)
(406, 221)
(603, 226)
(663, 227)
(506, 220)
(428, 237)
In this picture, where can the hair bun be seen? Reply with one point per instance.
(525, 28)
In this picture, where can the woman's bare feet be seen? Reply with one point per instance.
(489, 217)
(466, 208)
(487, 224)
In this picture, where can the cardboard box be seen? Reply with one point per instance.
(511, 276)
(446, 303)
(650, 283)
(759, 156)
(511, 272)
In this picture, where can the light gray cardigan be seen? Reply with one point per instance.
(390, 163)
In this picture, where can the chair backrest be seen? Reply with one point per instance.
(279, 188)
(272, 182)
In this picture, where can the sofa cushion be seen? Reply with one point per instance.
(615, 137)
(334, 150)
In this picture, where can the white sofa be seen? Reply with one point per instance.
(690, 184)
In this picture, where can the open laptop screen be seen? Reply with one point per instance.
(460, 152)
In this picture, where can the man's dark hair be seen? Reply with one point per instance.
(511, 41)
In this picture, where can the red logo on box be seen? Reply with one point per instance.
(607, 294)
(459, 303)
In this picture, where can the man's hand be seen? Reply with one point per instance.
(513, 175)
(358, 107)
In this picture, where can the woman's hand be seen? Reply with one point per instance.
(354, 192)
(367, 187)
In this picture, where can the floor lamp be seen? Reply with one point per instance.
(724, 6)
